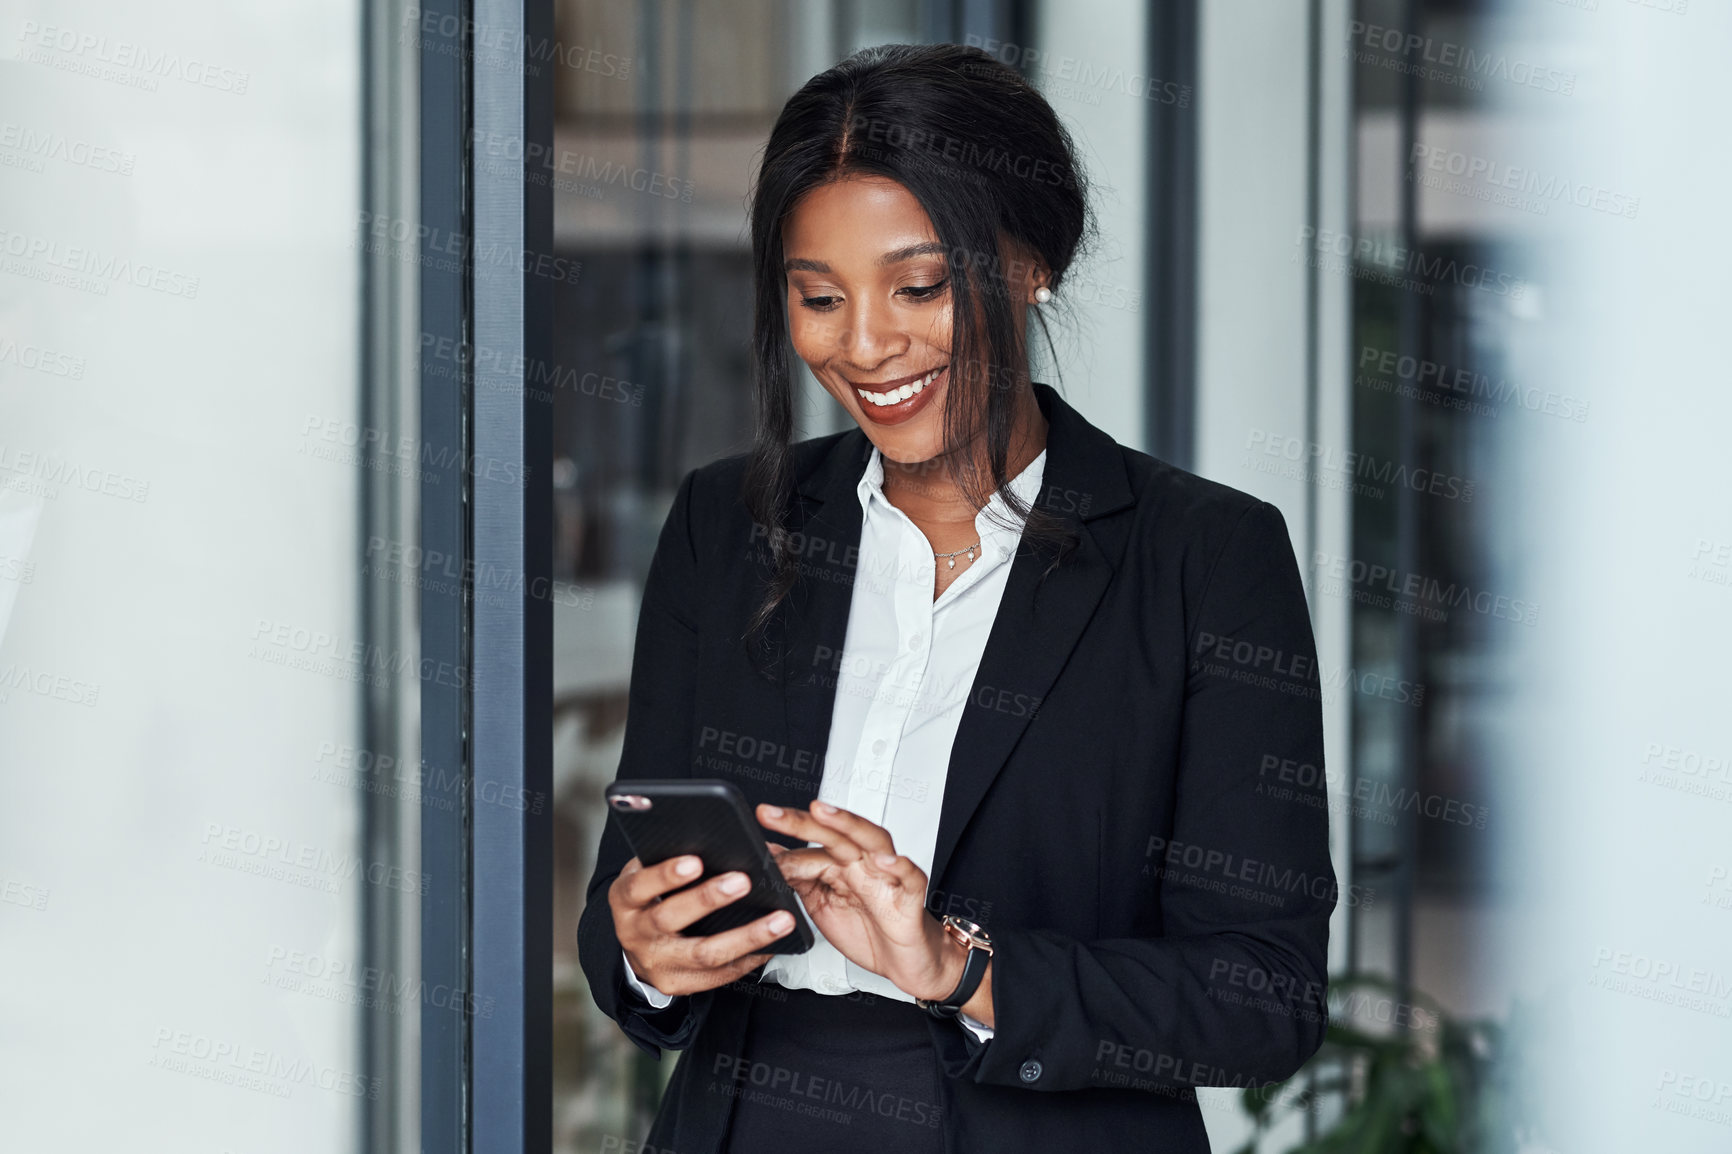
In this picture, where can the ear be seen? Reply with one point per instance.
(1025, 272)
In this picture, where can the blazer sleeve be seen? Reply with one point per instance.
(1233, 990)
(657, 744)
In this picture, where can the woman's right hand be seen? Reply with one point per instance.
(648, 923)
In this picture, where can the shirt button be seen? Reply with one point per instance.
(914, 641)
(1030, 1071)
(879, 746)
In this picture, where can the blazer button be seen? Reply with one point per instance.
(1030, 1071)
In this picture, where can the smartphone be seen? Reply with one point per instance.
(667, 818)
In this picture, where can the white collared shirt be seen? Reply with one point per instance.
(907, 665)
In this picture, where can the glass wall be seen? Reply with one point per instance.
(194, 658)
(656, 137)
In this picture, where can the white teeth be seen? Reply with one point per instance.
(897, 396)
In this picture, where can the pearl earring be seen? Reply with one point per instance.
(1042, 295)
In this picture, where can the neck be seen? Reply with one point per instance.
(938, 488)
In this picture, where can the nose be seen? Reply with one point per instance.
(872, 335)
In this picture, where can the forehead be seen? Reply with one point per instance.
(855, 218)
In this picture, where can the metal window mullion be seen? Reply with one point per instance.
(512, 277)
(442, 222)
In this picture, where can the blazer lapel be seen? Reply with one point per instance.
(1039, 620)
(1038, 624)
(816, 612)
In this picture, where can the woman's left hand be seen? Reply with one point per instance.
(869, 901)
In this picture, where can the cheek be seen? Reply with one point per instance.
(807, 336)
(938, 336)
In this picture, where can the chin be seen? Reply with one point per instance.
(906, 447)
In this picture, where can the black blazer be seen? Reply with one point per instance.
(1134, 807)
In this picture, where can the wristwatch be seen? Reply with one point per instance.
(979, 947)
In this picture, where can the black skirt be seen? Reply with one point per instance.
(835, 1074)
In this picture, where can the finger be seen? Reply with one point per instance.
(732, 946)
(800, 824)
(647, 884)
(908, 875)
(807, 864)
(673, 914)
(868, 835)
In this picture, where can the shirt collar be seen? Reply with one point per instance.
(995, 518)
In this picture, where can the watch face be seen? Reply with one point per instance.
(973, 933)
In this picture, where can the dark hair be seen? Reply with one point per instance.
(986, 157)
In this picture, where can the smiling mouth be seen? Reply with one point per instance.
(886, 397)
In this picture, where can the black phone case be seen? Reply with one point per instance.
(711, 819)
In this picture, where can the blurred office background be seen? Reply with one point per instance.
(1442, 279)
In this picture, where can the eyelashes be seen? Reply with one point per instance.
(926, 292)
(913, 292)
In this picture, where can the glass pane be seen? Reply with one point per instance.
(655, 139)
(193, 661)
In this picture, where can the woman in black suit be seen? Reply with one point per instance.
(1026, 786)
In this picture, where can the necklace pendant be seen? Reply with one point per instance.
(953, 562)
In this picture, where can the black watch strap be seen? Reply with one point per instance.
(973, 970)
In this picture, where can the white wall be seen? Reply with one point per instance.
(1620, 830)
(196, 511)
(1090, 67)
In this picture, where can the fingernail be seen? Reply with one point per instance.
(824, 807)
(884, 859)
(687, 866)
(781, 923)
(734, 884)
(772, 811)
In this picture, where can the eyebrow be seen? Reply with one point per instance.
(895, 256)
